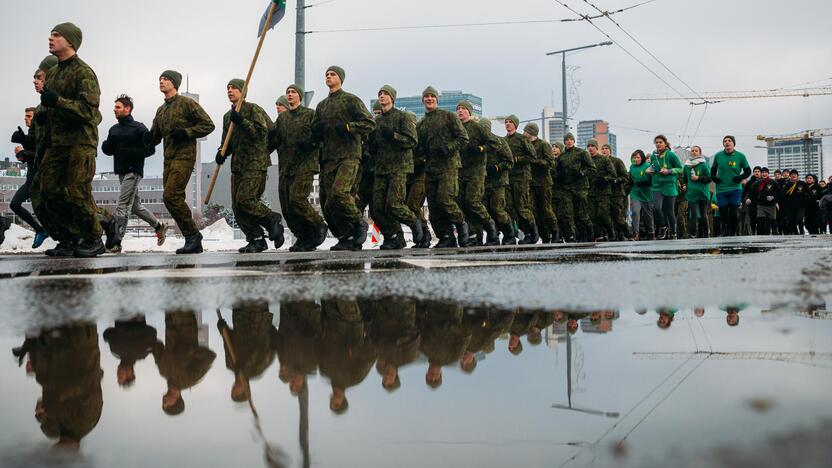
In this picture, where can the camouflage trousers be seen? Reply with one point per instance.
(518, 198)
(65, 193)
(547, 222)
(247, 188)
(363, 190)
(495, 200)
(471, 194)
(442, 190)
(574, 211)
(175, 179)
(416, 195)
(599, 213)
(293, 191)
(681, 217)
(618, 212)
(337, 180)
(389, 206)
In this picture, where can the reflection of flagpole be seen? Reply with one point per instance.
(303, 431)
(568, 406)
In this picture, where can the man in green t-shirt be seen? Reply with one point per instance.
(729, 169)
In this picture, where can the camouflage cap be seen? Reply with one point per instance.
(298, 89)
(389, 90)
(430, 90)
(237, 84)
(174, 76)
(48, 62)
(532, 129)
(338, 71)
(465, 105)
(592, 142)
(513, 119)
(71, 33)
(569, 136)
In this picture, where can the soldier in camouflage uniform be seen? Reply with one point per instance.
(180, 122)
(541, 185)
(444, 337)
(472, 176)
(130, 341)
(620, 187)
(498, 165)
(600, 192)
(297, 161)
(394, 331)
(416, 197)
(341, 120)
(70, 97)
(557, 192)
(574, 168)
(249, 146)
(297, 338)
(392, 144)
(485, 325)
(363, 189)
(518, 193)
(441, 137)
(250, 347)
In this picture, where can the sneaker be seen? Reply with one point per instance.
(161, 234)
(114, 249)
(40, 237)
(662, 233)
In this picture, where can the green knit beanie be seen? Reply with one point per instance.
(71, 33)
(297, 89)
(338, 71)
(282, 101)
(560, 146)
(237, 84)
(47, 63)
(377, 107)
(465, 105)
(592, 142)
(569, 136)
(430, 90)
(174, 76)
(532, 129)
(389, 90)
(513, 119)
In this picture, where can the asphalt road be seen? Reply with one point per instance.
(770, 272)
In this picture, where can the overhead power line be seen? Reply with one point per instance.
(719, 96)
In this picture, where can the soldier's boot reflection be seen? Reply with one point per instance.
(172, 401)
(468, 362)
(515, 347)
(433, 377)
(338, 402)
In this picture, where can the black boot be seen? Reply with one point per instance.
(302, 240)
(5, 224)
(555, 239)
(255, 246)
(416, 232)
(530, 238)
(343, 244)
(396, 242)
(193, 245)
(426, 238)
(89, 248)
(492, 237)
(110, 227)
(320, 235)
(509, 236)
(275, 228)
(63, 249)
(545, 238)
(462, 233)
(449, 241)
(359, 234)
(474, 240)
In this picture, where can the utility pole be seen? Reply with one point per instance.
(563, 76)
(300, 46)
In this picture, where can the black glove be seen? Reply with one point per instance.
(737, 179)
(219, 158)
(717, 180)
(179, 134)
(147, 138)
(18, 136)
(236, 117)
(48, 98)
(318, 129)
(387, 133)
(40, 118)
(492, 170)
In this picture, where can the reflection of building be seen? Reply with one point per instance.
(447, 101)
(805, 155)
(555, 334)
(598, 129)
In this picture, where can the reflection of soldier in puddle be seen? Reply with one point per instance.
(67, 365)
(699, 312)
(542, 321)
(484, 325)
(666, 317)
(300, 328)
(572, 320)
(252, 339)
(130, 341)
(522, 324)
(444, 338)
(601, 321)
(394, 332)
(733, 316)
(181, 360)
(345, 351)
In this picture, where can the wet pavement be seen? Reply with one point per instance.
(683, 353)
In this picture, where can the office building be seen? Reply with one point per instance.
(805, 155)
(599, 130)
(447, 101)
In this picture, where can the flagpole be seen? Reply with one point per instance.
(224, 148)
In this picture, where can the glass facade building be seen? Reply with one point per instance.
(599, 130)
(805, 155)
(447, 101)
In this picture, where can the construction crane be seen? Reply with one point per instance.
(720, 96)
(808, 137)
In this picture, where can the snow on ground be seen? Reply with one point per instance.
(218, 237)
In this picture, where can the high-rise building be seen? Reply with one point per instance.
(553, 125)
(805, 155)
(447, 101)
(599, 130)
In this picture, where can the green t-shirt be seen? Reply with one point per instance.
(698, 190)
(727, 167)
(667, 184)
(639, 174)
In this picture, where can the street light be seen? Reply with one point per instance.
(563, 53)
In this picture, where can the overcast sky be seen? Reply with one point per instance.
(712, 45)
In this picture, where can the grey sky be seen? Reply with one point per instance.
(713, 45)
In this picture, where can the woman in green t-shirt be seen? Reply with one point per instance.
(665, 168)
(698, 196)
(641, 196)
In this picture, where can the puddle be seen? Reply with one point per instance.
(380, 381)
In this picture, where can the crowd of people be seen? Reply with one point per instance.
(480, 188)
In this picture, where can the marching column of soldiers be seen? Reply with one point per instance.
(478, 186)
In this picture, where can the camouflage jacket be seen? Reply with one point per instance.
(543, 164)
(481, 142)
(602, 177)
(523, 153)
(574, 167)
(341, 109)
(293, 129)
(503, 159)
(440, 132)
(185, 113)
(250, 141)
(620, 186)
(394, 155)
(74, 119)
